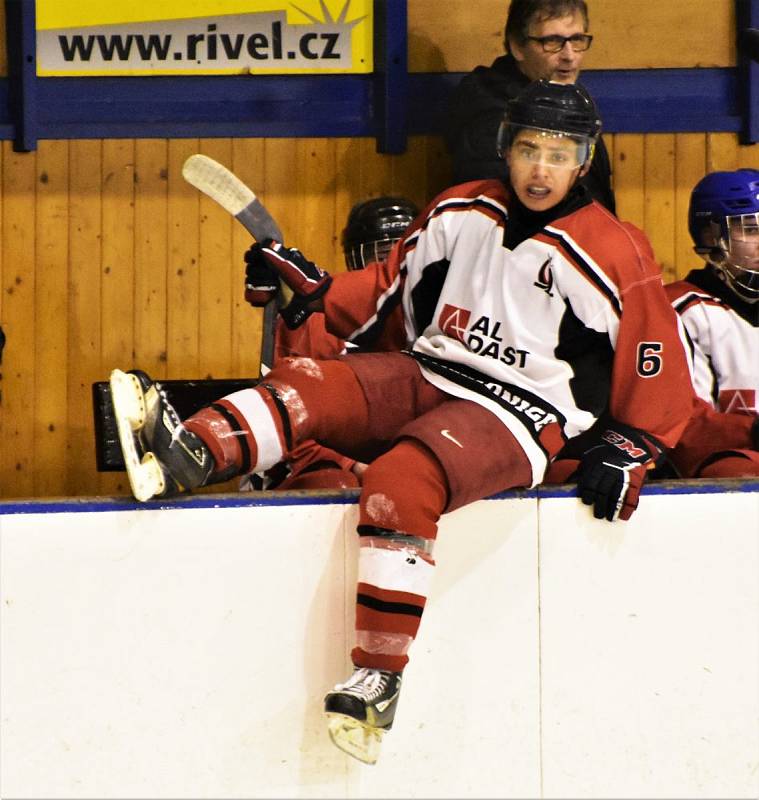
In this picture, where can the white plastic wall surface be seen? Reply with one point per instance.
(184, 652)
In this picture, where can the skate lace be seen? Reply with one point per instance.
(177, 426)
(369, 683)
(167, 406)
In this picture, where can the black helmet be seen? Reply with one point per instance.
(562, 107)
(373, 227)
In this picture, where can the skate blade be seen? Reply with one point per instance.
(144, 472)
(355, 738)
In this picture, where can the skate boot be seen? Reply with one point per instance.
(360, 710)
(162, 458)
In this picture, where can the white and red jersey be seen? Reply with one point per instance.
(724, 335)
(554, 324)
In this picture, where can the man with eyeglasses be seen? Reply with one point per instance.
(543, 39)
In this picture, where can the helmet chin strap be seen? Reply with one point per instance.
(721, 269)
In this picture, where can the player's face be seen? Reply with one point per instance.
(744, 240)
(535, 62)
(741, 255)
(543, 167)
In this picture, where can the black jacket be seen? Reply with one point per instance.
(476, 109)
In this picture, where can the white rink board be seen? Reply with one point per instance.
(185, 652)
(650, 649)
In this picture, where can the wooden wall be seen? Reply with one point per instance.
(109, 259)
(456, 35)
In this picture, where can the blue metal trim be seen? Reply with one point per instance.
(242, 500)
(338, 497)
(747, 16)
(181, 107)
(391, 75)
(21, 45)
(291, 106)
(666, 101)
(630, 101)
(670, 487)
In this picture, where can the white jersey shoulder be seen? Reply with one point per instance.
(725, 350)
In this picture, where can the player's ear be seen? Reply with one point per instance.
(584, 170)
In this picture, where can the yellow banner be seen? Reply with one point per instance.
(203, 37)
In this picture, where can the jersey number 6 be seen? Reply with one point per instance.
(649, 359)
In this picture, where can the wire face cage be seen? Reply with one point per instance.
(358, 256)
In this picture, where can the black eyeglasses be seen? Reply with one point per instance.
(579, 42)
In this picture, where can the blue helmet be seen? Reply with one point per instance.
(723, 220)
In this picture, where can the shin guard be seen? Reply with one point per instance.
(247, 430)
(394, 575)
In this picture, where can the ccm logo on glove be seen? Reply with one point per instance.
(624, 444)
(613, 472)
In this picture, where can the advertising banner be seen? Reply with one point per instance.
(203, 37)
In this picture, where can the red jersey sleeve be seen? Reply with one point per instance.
(651, 385)
(364, 306)
(310, 340)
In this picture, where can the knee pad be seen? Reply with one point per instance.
(404, 490)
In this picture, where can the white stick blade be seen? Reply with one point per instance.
(216, 181)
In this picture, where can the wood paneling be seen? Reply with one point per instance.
(109, 259)
(117, 270)
(457, 35)
(183, 268)
(151, 202)
(658, 204)
(18, 320)
(628, 171)
(49, 325)
(85, 309)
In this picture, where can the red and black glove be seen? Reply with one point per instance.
(261, 279)
(296, 312)
(612, 473)
(307, 281)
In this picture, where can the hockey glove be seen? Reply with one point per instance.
(296, 312)
(612, 472)
(261, 279)
(307, 281)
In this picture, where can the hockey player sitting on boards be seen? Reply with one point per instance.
(719, 307)
(372, 228)
(528, 310)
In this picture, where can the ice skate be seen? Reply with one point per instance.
(360, 710)
(161, 457)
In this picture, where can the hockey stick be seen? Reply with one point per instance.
(223, 186)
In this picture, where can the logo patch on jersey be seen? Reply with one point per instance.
(738, 401)
(454, 321)
(545, 278)
(445, 432)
